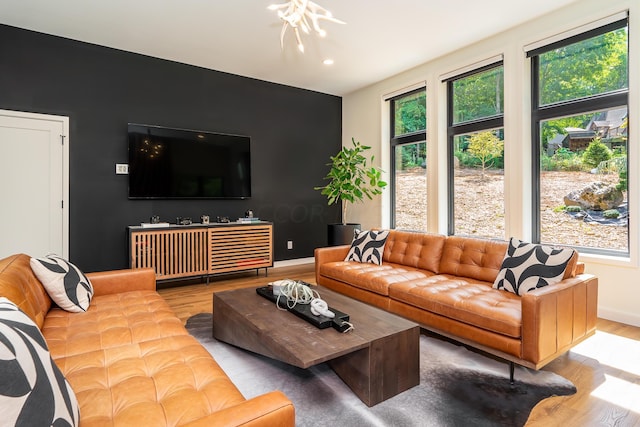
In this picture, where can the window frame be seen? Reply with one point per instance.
(398, 140)
(584, 105)
(485, 124)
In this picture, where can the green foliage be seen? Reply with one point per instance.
(410, 113)
(619, 151)
(486, 147)
(622, 181)
(567, 160)
(564, 208)
(589, 67)
(611, 214)
(595, 153)
(412, 155)
(562, 160)
(479, 95)
(466, 159)
(350, 179)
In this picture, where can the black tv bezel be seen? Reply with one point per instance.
(195, 132)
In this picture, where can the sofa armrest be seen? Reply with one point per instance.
(329, 254)
(272, 409)
(118, 281)
(556, 317)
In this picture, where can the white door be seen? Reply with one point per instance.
(34, 153)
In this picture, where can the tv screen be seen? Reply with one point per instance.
(166, 163)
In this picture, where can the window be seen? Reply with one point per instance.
(409, 161)
(579, 125)
(476, 153)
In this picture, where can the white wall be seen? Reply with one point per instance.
(366, 116)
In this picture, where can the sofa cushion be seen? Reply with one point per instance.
(413, 249)
(528, 266)
(467, 300)
(167, 381)
(33, 391)
(371, 277)
(368, 246)
(479, 259)
(65, 283)
(112, 320)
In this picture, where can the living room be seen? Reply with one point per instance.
(294, 130)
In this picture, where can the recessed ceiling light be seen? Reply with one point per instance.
(328, 62)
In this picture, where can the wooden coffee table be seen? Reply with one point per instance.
(377, 360)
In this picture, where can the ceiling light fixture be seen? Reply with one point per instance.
(297, 14)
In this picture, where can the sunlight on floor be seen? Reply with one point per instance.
(615, 353)
(612, 350)
(619, 392)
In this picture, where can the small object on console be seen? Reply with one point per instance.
(222, 219)
(183, 221)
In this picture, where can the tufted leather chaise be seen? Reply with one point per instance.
(129, 359)
(444, 283)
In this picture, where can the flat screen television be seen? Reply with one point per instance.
(167, 163)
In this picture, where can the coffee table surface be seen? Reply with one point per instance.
(378, 359)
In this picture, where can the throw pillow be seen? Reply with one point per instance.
(33, 391)
(368, 246)
(528, 266)
(65, 283)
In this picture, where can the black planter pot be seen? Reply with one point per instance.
(341, 234)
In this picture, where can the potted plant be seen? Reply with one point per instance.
(350, 180)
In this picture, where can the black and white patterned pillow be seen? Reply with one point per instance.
(33, 391)
(528, 266)
(368, 246)
(65, 283)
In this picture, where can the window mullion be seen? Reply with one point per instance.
(579, 106)
(478, 125)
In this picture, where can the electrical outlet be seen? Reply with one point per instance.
(289, 244)
(122, 169)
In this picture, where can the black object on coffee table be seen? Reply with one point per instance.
(304, 311)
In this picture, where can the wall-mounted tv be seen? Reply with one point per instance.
(167, 163)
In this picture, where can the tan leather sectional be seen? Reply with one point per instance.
(444, 283)
(129, 359)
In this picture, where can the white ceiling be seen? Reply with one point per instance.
(380, 39)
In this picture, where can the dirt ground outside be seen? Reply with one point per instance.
(479, 208)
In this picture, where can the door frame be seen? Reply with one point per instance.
(64, 121)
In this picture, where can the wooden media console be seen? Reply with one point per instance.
(183, 251)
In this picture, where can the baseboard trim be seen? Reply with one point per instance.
(290, 262)
(619, 316)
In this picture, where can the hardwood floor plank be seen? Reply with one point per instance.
(605, 368)
(189, 300)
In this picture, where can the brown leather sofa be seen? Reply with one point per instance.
(444, 283)
(129, 359)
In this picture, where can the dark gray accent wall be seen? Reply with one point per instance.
(293, 132)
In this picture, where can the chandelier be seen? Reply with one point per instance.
(302, 14)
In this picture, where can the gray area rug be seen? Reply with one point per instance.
(457, 387)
